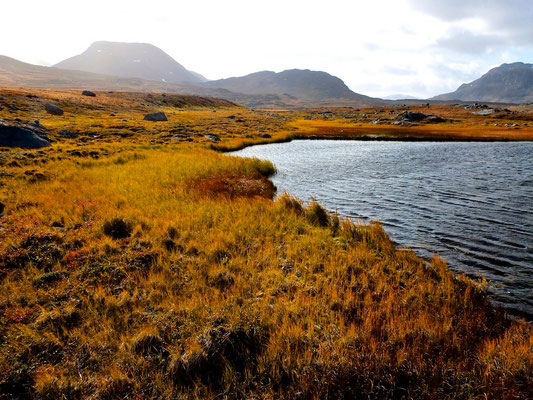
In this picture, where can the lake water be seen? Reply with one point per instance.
(472, 203)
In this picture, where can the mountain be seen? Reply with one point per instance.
(19, 74)
(400, 97)
(508, 83)
(14, 73)
(130, 60)
(297, 83)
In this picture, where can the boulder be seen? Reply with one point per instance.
(411, 116)
(213, 137)
(14, 136)
(265, 135)
(435, 119)
(37, 124)
(69, 134)
(53, 109)
(88, 93)
(158, 116)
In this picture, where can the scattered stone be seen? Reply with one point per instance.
(212, 137)
(435, 119)
(484, 112)
(53, 109)
(68, 134)
(265, 135)
(14, 136)
(37, 124)
(231, 117)
(156, 117)
(409, 116)
(88, 93)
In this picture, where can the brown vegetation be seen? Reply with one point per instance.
(139, 266)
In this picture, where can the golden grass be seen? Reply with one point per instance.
(214, 290)
(252, 298)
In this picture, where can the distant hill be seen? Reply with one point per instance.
(301, 84)
(131, 60)
(400, 97)
(14, 73)
(508, 83)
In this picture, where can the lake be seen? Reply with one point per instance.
(471, 203)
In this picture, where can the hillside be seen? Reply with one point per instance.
(130, 60)
(14, 73)
(301, 84)
(508, 83)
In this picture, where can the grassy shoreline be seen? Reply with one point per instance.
(137, 265)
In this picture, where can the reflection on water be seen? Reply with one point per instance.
(472, 203)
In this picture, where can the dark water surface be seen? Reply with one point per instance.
(472, 203)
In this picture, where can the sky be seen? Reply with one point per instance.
(378, 48)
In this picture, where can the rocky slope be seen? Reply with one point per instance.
(297, 83)
(508, 83)
(131, 60)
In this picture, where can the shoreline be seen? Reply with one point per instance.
(515, 314)
(287, 139)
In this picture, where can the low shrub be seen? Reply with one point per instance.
(118, 228)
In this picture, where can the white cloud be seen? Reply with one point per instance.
(377, 48)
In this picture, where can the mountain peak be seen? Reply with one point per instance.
(300, 83)
(130, 60)
(508, 83)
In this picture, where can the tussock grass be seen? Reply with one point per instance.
(136, 263)
(253, 298)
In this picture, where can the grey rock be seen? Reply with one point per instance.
(37, 124)
(14, 136)
(265, 135)
(212, 137)
(409, 116)
(53, 109)
(157, 117)
(68, 134)
(88, 93)
(435, 119)
(484, 112)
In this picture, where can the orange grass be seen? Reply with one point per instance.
(134, 269)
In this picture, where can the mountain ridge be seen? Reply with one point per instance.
(130, 60)
(15, 73)
(508, 83)
(299, 83)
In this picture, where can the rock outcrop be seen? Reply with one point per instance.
(14, 136)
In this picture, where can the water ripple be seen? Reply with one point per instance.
(472, 203)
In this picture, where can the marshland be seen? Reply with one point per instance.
(139, 261)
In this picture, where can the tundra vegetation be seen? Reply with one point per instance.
(137, 262)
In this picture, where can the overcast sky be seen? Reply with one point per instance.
(379, 48)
